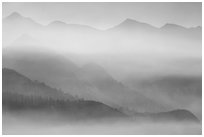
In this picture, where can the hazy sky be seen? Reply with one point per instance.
(105, 15)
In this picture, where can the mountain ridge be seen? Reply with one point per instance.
(127, 21)
(14, 101)
(15, 82)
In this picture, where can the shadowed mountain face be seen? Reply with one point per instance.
(65, 109)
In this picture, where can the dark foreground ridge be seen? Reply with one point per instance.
(178, 115)
(22, 94)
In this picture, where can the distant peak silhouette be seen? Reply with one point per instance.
(172, 26)
(57, 23)
(15, 15)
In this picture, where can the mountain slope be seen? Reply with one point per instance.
(14, 25)
(14, 82)
(179, 91)
(70, 110)
(174, 30)
(167, 31)
(133, 26)
(171, 85)
(118, 92)
(21, 94)
(90, 82)
(177, 115)
(63, 37)
(54, 70)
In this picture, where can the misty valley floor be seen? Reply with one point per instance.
(116, 129)
(15, 125)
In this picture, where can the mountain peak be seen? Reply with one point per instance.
(57, 23)
(14, 15)
(172, 26)
(133, 24)
(129, 21)
(197, 27)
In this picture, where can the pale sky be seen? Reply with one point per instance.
(105, 15)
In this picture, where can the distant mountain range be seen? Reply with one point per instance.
(169, 30)
(21, 25)
(126, 24)
(20, 20)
